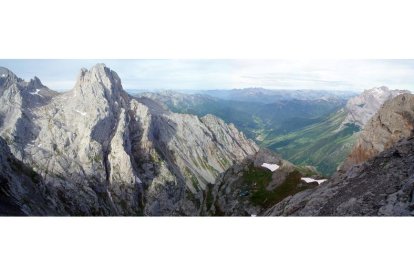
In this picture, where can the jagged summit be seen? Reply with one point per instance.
(34, 85)
(8, 78)
(102, 74)
(29, 93)
(7, 74)
(36, 82)
(99, 81)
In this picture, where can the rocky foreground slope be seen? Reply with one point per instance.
(382, 185)
(99, 151)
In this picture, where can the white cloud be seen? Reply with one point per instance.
(214, 74)
(328, 74)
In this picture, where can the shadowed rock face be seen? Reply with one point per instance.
(22, 191)
(100, 151)
(393, 122)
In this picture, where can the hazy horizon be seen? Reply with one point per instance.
(222, 74)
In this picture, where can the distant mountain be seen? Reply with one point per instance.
(362, 107)
(262, 95)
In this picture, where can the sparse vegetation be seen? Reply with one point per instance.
(97, 158)
(259, 178)
(194, 181)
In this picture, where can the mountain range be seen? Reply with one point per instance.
(97, 150)
(318, 129)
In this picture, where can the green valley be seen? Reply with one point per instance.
(323, 144)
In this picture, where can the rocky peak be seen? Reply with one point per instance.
(101, 74)
(35, 87)
(99, 81)
(14, 86)
(35, 83)
(7, 78)
(7, 74)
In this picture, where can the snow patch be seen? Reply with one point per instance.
(310, 180)
(3, 75)
(36, 93)
(80, 112)
(271, 167)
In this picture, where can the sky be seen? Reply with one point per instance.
(205, 74)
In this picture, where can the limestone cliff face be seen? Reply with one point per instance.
(101, 151)
(394, 121)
